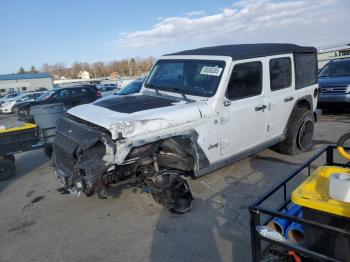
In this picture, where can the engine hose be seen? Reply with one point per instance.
(340, 146)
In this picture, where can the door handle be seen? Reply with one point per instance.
(288, 99)
(261, 107)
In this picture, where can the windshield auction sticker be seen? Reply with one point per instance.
(211, 70)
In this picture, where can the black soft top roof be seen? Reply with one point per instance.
(245, 51)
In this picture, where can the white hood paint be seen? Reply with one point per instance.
(141, 122)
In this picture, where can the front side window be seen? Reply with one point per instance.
(280, 73)
(245, 81)
(192, 77)
(45, 96)
(63, 94)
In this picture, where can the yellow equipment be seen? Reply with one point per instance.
(314, 192)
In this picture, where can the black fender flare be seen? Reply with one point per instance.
(307, 98)
(200, 158)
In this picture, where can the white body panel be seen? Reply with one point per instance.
(224, 130)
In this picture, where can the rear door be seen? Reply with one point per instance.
(280, 96)
(63, 96)
(243, 117)
(86, 95)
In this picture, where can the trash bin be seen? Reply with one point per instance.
(313, 196)
(46, 117)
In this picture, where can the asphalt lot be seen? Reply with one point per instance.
(39, 224)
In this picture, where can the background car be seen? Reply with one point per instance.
(70, 97)
(107, 89)
(8, 97)
(131, 88)
(334, 83)
(11, 106)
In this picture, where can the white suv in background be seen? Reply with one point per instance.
(10, 105)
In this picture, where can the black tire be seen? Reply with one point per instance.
(7, 169)
(48, 151)
(15, 109)
(300, 131)
(10, 157)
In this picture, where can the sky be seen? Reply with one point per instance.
(36, 32)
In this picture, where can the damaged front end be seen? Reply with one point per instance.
(81, 155)
(84, 158)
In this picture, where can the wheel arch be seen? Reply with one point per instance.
(179, 145)
(302, 102)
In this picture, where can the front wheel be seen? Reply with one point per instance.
(15, 109)
(300, 131)
(7, 169)
(172, 191)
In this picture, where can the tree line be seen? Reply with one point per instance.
(124, 67)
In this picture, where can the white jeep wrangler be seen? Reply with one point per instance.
(198, 111)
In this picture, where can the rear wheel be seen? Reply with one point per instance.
(300, 131)
(7, 169)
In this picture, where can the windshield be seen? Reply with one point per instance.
(192, 77)
(132, 88)
(341, 68)
(45, 96)
(10, 96)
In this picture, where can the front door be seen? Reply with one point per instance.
(244, 110)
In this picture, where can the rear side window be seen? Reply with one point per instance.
(280, 73)
(63, 93)
(245, 81)
(306, 69)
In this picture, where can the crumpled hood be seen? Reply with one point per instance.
(132, 119)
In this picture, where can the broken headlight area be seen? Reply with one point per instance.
(83, 157)
(80, 154)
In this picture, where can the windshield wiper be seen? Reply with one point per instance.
(176, 89)
(154, 87)
(180, 91)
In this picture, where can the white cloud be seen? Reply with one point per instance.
(195, 13)
(311, 22)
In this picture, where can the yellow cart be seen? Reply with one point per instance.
(326, 221)
(23, 138)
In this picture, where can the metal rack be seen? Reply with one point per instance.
(257, 211)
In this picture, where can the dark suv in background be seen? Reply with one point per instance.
(334, 83)
(69, 96)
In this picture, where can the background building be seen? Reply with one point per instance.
(327, 54)
(24, 82)
(84, 75)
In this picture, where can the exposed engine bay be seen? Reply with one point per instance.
(84, 157)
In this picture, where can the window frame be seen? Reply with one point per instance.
(183, 60)
(262, 80)
(291, 73)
